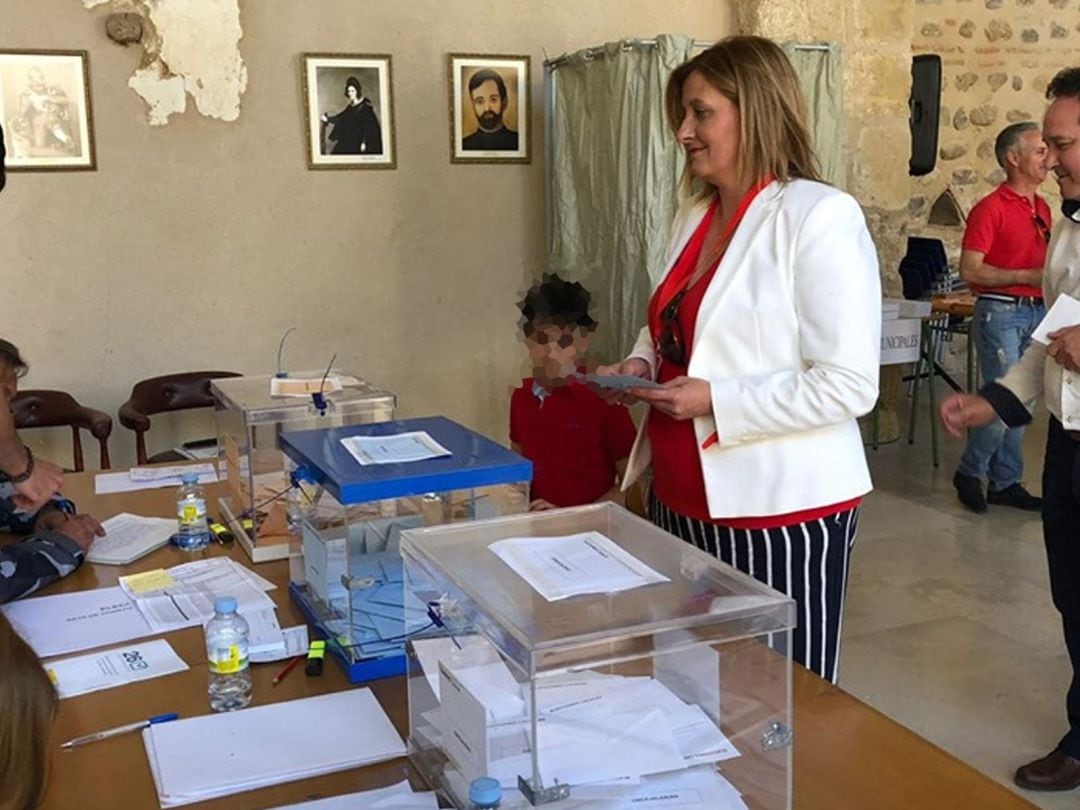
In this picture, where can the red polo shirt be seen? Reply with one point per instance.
(1003, 228)
(574, 440)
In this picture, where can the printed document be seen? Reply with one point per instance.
(115, 667)
(72, 622)
(1064, 312)
(395, 797)
(112, 482)
(617, 382)
(400, 448)
(574, 564)
(129, 537)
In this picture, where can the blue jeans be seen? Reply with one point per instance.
(1001, 332)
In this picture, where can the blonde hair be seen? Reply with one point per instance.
(27, 706)
(757, 77)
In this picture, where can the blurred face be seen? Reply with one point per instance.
(488, 105)
(1061, 131)
(1030, 157)
(9, 382)
(556, 351)
(1070, 189)
(709, 132)
(350, 91)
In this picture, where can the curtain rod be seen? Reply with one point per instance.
(626, 44)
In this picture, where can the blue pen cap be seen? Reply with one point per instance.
(225, 604)
(485, 792)
(189, 478)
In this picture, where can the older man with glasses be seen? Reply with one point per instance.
(1004, 249)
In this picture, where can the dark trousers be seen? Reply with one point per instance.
(1061, 533)
(807, 561)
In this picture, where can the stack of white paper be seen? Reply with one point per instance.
(139, 478)
(115, 667)
(183, 596)
(129, 537)
(221, 754)
(70, 622)
(575, 564)
(395, 797)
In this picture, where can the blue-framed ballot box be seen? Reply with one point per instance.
(359, 487)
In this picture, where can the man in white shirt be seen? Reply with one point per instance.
(1054, 371)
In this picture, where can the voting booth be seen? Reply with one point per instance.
(251, 413)
(584, 657)
(367, 484)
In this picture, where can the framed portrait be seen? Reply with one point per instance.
(489, 108)
(45, 110)
(349, 111)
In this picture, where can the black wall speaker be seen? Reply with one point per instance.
(925, 105)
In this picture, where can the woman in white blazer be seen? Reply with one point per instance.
(764, 334)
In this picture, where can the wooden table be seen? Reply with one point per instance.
(847, 755)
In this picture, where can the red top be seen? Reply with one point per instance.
(1002, 226)
(574, 440)
(677, 478)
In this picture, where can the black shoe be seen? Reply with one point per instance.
(970, 492)
(1014, 495)
(1055, 771)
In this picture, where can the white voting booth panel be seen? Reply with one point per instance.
(646, 671)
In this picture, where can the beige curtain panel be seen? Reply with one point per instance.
(821, 75)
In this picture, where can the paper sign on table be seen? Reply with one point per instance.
(115, 667)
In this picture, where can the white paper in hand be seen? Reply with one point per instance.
(1064, 312)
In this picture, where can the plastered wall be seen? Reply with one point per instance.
(195, 245)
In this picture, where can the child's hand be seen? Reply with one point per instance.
(633, 367)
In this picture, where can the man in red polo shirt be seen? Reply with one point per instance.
(1003, 253)
(577, 442)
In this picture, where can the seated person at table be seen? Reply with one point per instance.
(27, 707)
(55, 539)
(578, 443)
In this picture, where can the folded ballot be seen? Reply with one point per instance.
(216, 755)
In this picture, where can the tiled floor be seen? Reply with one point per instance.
(949, 627)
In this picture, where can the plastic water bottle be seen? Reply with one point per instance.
(193, 531)
(227, 655)
(485, 793)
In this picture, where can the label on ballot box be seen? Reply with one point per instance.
(900, 341)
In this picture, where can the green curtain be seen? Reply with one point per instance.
(821, 75)
(615, 169)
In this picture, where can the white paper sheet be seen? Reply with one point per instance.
(1064, 312)
(400, 448)
(115, 667)
(574, 564)
(110, 483)
(188, 600)
(72, 622)
(395, 797)
(129, 537)
(172, 473)
(221, 754)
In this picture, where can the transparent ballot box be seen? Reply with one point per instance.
(250, 420)
(671, 678)
(349, 581)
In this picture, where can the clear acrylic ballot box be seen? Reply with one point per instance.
(676, 687)
(349, 582)
(250, 420)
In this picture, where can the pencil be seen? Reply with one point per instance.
(285, 670)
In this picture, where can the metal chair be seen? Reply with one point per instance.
(41, 408)
(171, 392)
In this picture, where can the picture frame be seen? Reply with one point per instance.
(351, 96)
(46, 111)
(499, 93)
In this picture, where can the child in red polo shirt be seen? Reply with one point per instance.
(578, 443)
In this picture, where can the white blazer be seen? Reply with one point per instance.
(788, 337)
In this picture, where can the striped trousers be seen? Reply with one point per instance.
(807, 561)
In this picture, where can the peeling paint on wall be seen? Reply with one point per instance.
(190, 48)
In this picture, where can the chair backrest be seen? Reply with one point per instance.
(924, 266)
(170, 392)
(42, 408)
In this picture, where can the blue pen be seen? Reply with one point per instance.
(65, 505)
(115, 732)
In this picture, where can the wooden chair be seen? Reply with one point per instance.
(35, 409)
(171, 392)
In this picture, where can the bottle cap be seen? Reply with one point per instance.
(485, 791)
(225, 604)
(189, 478)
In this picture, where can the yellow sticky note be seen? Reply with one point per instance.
(148, 581)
